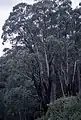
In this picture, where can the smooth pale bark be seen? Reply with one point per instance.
(64, 75)
(44, 39)
(67, 65)
(47, 65)
(40, 64)
(75, 64)
(20, 116)
(60, 77)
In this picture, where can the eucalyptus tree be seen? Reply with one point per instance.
(45, 29)
(28, 25)
(76, 34)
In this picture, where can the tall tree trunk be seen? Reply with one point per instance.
(53, 93)
(20, 115)
(79, 81)
(53, 82)
(25, 114)
(75, 64)
(61, 83)
(47, 65)
(67, 65)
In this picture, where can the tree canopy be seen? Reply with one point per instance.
(44, 63)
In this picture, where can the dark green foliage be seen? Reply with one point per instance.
(19, 97)
(2, 108)
(44, 63)
(64, 109)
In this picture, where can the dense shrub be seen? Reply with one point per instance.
(64, 109)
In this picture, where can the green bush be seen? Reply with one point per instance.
(64, 109)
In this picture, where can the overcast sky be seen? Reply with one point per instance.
(6, 7)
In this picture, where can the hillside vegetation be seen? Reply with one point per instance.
(44, 64)
(64, 109)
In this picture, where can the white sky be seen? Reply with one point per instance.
(6, 7)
